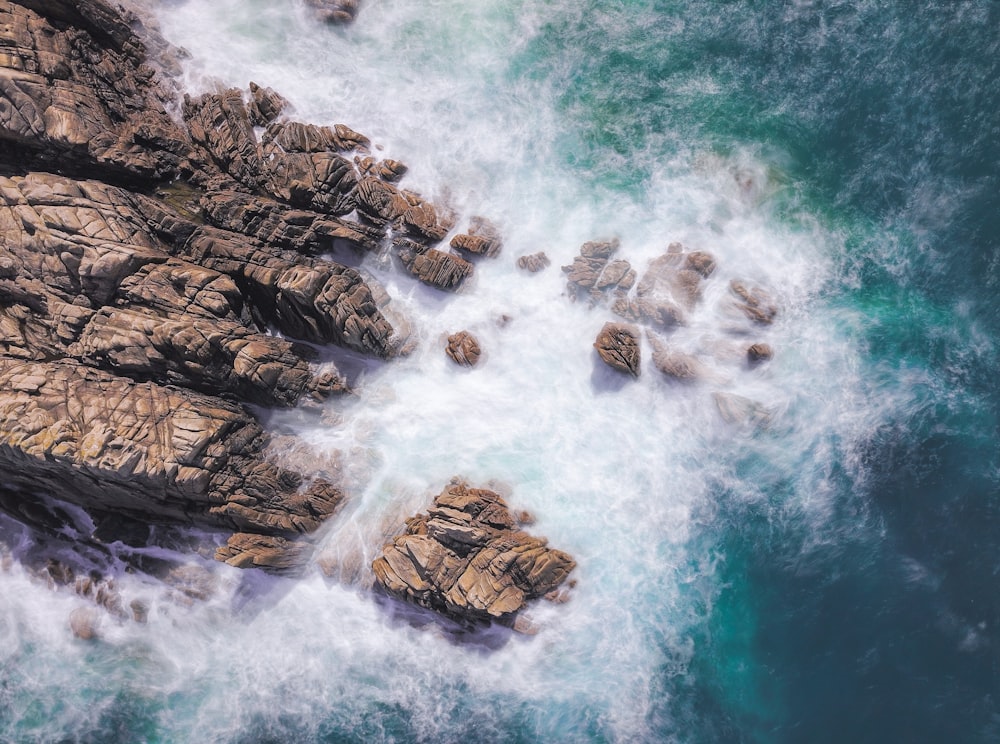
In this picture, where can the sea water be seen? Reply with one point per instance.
(828, 576)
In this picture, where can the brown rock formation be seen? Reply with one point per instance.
(618, 346)
(83, 97)
(482, 239)
(145, 263)
(534, 262)
(266, 105)
(463, 348)
(431, 266)
(592, 273)
(148, 452)
(753, 301)
(467, 559)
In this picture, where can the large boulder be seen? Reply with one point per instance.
(463, 349)
(467, 559)
(618, 346)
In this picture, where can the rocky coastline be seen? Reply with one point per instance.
(146, 259)
(172, 265)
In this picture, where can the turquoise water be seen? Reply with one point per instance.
(830, 578)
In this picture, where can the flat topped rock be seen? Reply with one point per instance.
(467, 559)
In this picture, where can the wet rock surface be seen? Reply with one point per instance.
(468, 559)
(146, 262)
(463, 349)
(618, 346)
(534, 262)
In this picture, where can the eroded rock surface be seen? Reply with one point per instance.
(139, 285)
(467, 558)
(158, 273)
(463, 349)
(618, 346)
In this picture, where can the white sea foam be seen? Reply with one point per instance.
(622, 474)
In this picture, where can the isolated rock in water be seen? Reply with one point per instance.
(534, 262)
(618, 345)
(585, 276)
(464, 349)
(753, 301)
(483, 239)
(467, 559)
(758, 353)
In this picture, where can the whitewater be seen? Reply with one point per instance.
(533, 115)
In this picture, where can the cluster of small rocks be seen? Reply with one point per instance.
(658, 304)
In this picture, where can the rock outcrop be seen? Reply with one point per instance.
(145, 265)
(467, 559)
(593, 274)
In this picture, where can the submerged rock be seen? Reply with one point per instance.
(84, 621)
(534, 262)
(736, 409)
(482, 239)
(335, 11)
(758, 353)
(467, 559)
(753, 301)
(676, 364)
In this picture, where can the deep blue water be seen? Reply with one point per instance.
(887, 116)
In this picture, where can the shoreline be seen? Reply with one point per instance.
(161, 280)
